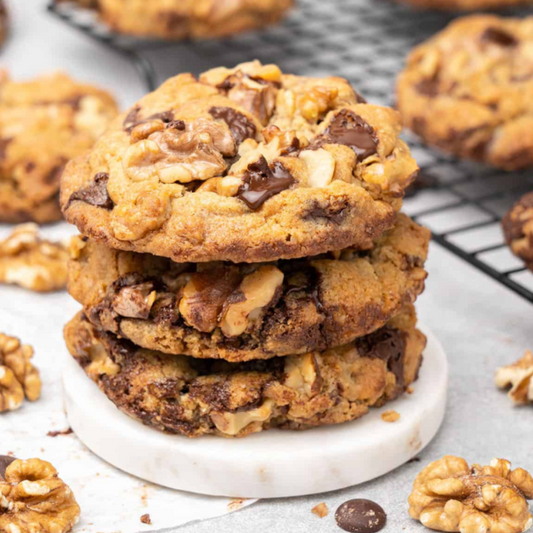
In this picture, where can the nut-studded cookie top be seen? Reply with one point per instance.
(468, 90)
(243, 164)
(249, 311)
(183, 19)
(44, 123)
(183, 395)
(518, 229)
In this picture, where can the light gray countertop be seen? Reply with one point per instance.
(481, 324)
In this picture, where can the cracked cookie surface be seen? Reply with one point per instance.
(468, 90)
(249, 311)
(187, 19)
(44, 123)
(192, 397)
(242, 165)
(518, 229)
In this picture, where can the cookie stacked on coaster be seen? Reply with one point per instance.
(242, 263)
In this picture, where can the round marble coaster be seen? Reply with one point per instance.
(271, 464)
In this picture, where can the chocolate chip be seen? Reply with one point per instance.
(5, 461)
(499, 37)
(261, 181)
(3, 148)
(240, 126)
(361, 516)
(428, 87)
(95, 193)
(293, 148)
(351, 130)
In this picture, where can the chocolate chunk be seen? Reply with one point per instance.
(428, 87)
(499, 37)
(361, 516)
(132, 118)
(331, 213)
(95, 193)
(54, 176)
(351, 130)
(261, 181)
(240, 126)
(293, 148)
(3, 148)
(5, 461)
(387, 344)
(135, 301)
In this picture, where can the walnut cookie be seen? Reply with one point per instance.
(467, 90)
(192, 397)
(44, 122)
(249, 311)
(242, 165)
(518, 229)
(185, 19)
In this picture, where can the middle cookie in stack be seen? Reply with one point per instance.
(250, 217)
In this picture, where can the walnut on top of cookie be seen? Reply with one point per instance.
(467, 90)
(243, 164)
(44, 122)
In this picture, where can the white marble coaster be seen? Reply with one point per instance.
(271, 464)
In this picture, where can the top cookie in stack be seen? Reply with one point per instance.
(249, 216)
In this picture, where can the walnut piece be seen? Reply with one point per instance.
(448, 495)
(321, 510)
(232, 423)
(33, 499)
(518, 377)
(26, 259)
(390, 416)
(255, 293)
(18, 377)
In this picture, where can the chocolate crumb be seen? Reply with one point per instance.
(414, 460)
(145, 519)
(67, 431)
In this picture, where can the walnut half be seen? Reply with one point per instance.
(18, 377)
(33, 499)
(518, 377)
(448, 495)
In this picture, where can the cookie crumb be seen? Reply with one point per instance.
(145, 519)
(390, 416)
(414, 460)
(236, 504)
(409, 390)
(67, 431)
(321, 510)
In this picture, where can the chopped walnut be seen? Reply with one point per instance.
(26, 259)
(135, 301)
(321, 510)
(18, 377)
(255, 293)
(518, 377)
(320, 167)
(390, 416)
(448, 495)
(303, 374)
(33, 499)
(232, 423)
(180, 152)
(315, 103)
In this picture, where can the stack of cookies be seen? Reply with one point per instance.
(242, 263)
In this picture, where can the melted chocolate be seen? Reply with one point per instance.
(351, 130)
(132, 118)
(261, 181)
(499, 37)
(95, 193)
(240, 126)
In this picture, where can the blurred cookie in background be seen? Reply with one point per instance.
(518, 229)
(467, 90)
(184, 19)
(44, 123)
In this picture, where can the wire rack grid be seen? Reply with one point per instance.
(365, 41)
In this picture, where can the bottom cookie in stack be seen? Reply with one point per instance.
(193, 397)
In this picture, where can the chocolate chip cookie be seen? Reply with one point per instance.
(242, 165)
(518, 229)
(193, 397)
(468, 90)
(187, 19)
(44, 123)
(465, 5)
(241, 311)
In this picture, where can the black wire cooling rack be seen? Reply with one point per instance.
(365, 41)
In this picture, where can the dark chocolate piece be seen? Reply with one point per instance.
(5, 461)
(240, 126)
(262, 181)
(95, 193)
(499, 37)
(361, 516)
